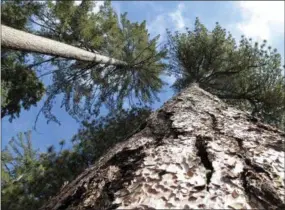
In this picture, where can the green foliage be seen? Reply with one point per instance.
(4, 93)
(17, 13)
(87, 86)
(29, 178)
(19, 167)
(20, 86)
(247, 75)
(97, 136)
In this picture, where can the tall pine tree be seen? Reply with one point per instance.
(246, 74)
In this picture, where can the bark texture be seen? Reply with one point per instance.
(196, 152)
(19, 40)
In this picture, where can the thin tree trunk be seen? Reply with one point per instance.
(195, 152)
(20, 40)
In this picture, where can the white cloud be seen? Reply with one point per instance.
(177, 17)
(174, 20)
(261, 19)
(158, 26)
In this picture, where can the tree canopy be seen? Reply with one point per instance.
(20, 86)
(246, 74)
(87, 86)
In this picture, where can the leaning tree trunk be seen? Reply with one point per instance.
(195, 152)
(19, 40)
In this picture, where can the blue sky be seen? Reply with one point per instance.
(259, 20)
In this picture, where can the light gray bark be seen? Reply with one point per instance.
(20, 40)
(195, 152)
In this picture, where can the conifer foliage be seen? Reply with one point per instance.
(247, 74)
(30, 177)
(86, 86)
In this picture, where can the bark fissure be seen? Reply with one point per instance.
(162, 165)
(128, 161)
(201, 146)
(163, 126)
(214, 122)
(257, 168)
(260, 194)
(278, 146)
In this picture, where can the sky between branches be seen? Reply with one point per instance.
(257, 19)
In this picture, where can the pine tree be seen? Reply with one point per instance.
(247, 74)
(20, 87)
(19, 166)
(87, 86)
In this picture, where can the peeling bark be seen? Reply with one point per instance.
(195, 152)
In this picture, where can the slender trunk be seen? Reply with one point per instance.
(195, 152)
(20, 40)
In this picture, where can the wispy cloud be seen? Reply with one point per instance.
(158, 26)
(177, 17)
(174, 20)
(261, 19)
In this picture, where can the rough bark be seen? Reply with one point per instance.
(195, 152)
(19, 40)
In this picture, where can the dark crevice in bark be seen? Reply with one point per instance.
(162, 126)
(111, 207)
(214, 121)
(244, 181)
(166, 116)
(73, 198)
(268, 128)
(252, 119)
(278, 146)
(261, 125)
(203, 154)
(126, 158)
(256, 167)
(262, 193)
(128, 161)
(248, 161)
(240, 144)
(251, 196)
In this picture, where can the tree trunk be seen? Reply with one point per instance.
(195, 152)
(20, 40)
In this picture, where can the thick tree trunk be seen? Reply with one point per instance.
(195, 152)
(19, 40)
